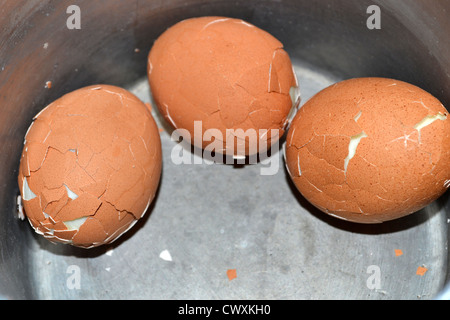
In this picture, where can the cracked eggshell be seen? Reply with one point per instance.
(370, 150)
(226, 73)
(90, 166)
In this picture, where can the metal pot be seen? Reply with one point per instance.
(215, 218)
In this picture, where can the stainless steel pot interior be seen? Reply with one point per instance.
(216, 218)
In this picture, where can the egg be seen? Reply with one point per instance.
(90, 166)
(226, 75)
(370, 150)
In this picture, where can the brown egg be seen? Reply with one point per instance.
(90, 166)
(227, 75)
(370, 150)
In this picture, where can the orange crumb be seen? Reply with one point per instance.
(421, 271)
(231, 273)
(48, 84)
(137, 50)
(161, 130)
(149, 106)
(398, 253)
